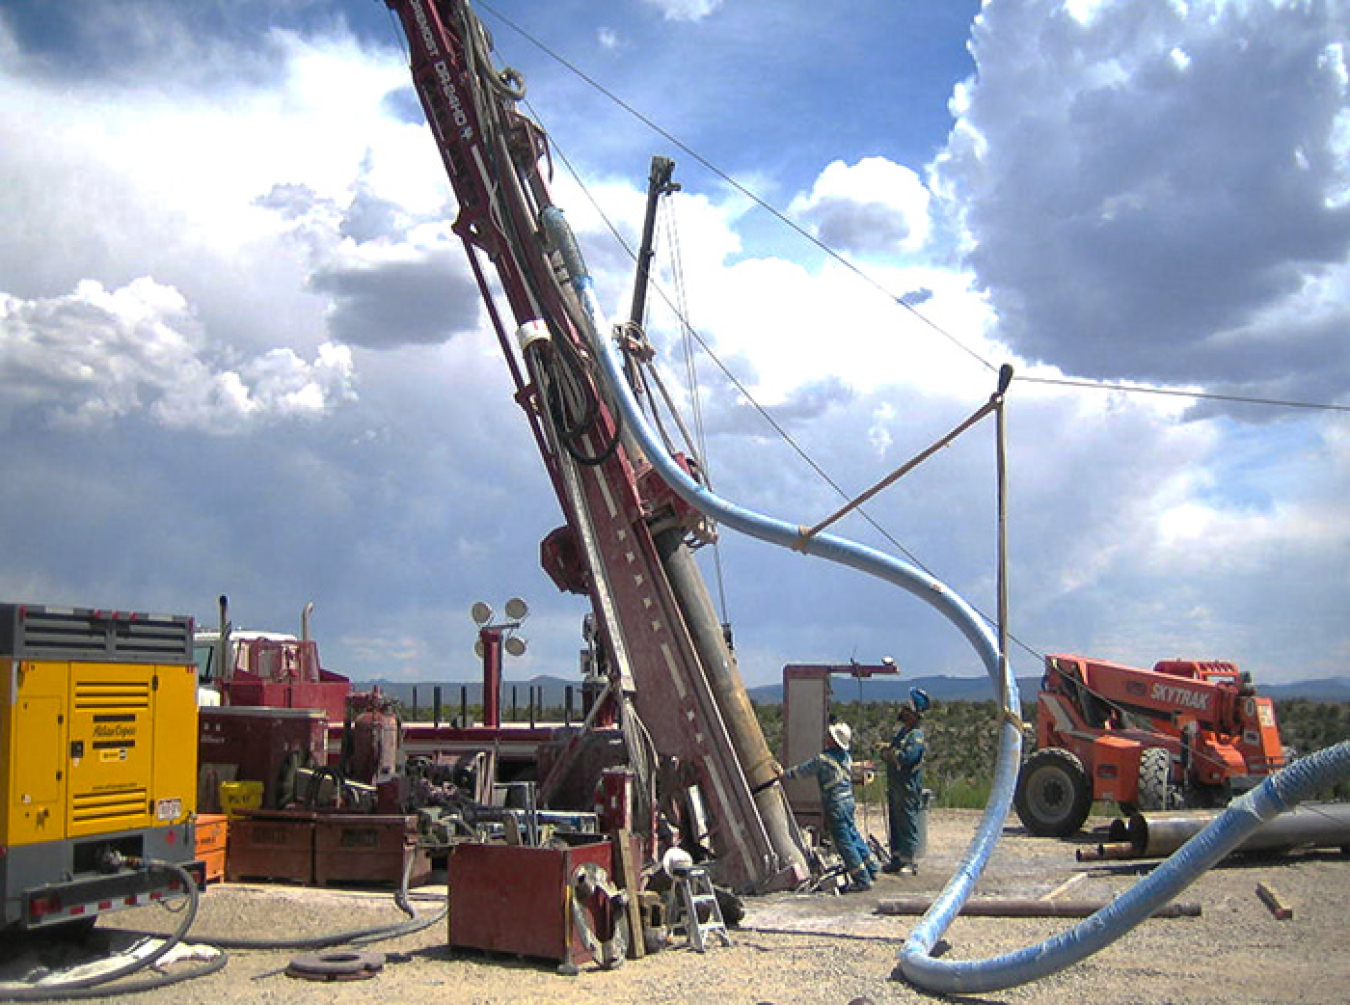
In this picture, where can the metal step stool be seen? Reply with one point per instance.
(692, 905)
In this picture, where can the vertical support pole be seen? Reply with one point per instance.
(1001, 463)
(492, 675)
(658, 184)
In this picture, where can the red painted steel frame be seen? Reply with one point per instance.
(517, 899)
(493, 156)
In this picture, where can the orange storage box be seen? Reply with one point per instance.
(212, 838)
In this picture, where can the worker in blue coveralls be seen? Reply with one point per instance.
(832, 768)
(903, 757)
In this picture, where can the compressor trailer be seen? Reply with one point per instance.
(98, 741)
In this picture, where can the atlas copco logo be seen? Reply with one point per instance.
(1170, 694)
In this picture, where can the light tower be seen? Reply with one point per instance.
(492, 639)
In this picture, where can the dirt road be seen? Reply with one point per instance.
(794, 948)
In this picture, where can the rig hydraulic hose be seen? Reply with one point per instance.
(96, 986)
(1280, 792)
(359, 936)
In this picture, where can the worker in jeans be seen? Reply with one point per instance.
(903, 757)
(832, 768)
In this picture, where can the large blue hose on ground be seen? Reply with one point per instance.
(1301, 780)
(1280, 792)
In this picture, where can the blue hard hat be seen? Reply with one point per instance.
(919, 699)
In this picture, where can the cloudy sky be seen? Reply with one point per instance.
(241, 351)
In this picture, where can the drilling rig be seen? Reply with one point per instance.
(627, 540)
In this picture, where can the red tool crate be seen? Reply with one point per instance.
(271, 845)
(517, 899)
(360, 848)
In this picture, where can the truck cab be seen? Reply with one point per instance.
(245, 667)
(218, 660)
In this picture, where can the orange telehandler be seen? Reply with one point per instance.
(1186, 733)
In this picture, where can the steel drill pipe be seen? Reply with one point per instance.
(1018, 907)
(1312, 825)
(1107, 852)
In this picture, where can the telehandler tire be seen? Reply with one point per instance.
(1156, 791)
(1054, 793)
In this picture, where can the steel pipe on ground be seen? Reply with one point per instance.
(1016, 907)
(1107, 852)
(1312, 825)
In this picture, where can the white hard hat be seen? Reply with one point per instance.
(842, 734)
(676, 861)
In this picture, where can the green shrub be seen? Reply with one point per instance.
(961, 741)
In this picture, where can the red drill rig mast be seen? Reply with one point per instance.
(625, 543)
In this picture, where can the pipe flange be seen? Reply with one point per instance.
(594, 897)
(336, 965)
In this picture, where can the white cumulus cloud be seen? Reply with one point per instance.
(94, 356)
(1157, 191)
(872, 207)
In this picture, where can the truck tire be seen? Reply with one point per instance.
(1054, 794)
(1156, 791)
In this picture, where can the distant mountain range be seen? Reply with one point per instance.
(1326, 689)
(550, 691)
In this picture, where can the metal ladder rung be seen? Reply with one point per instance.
(693, 891)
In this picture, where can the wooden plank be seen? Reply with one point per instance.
(623, 858)
(1274, 902)
(1073, 880)
(1015, 907)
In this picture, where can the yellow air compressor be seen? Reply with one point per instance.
(98, 761)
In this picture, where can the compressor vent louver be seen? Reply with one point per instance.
(113, 810)
(33, 632)
(112, 695)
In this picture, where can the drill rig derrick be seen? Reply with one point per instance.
(624, 540)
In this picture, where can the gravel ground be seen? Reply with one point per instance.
(797, 948)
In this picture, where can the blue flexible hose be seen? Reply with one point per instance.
(835, 549)
(1278, 793)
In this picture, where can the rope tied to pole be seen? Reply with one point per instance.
(994, 403)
